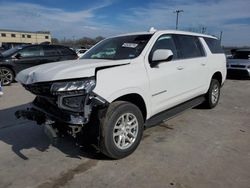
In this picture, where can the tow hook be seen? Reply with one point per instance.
(51, 132)
(74, 130)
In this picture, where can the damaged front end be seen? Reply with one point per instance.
(66, 104)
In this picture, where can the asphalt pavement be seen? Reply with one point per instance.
(198, 149)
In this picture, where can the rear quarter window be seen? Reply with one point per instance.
(50, 51)
(214, 45)
(65, 51)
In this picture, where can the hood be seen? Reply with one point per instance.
(65, 70)
(238, 61)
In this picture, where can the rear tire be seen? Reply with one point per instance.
(6, 76)
(121, 129)
(213, 94)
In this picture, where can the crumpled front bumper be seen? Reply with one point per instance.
(44, 109)
(41, 110)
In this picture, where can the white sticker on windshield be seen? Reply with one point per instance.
(130, 45)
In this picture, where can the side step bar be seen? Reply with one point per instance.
(170, 113)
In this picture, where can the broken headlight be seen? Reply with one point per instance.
(73, 103)
(71, 86)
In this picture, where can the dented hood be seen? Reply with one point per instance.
(65, 70)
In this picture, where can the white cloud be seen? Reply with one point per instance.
(33, 17)
(213, 15)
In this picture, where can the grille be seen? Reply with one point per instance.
(238, 66)
(42, 89)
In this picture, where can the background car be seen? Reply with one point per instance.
(239, 64)
(81, 52)
(19, 58)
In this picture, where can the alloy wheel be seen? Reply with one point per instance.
(215, 93)
(125, 131)
(6, 76)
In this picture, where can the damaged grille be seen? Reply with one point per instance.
(42, 89)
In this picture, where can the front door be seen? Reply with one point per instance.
(28, 57)
(166, 78)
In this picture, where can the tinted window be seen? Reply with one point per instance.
(33, 51)
(3, 35)
(214, 45)
(165, 42)
(188, 46)
(50, 51)
(64, 50)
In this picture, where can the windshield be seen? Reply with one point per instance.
(124, 47)
(10, 51)
(241, 55)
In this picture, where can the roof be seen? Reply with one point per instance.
(169, 31)
(20, 31)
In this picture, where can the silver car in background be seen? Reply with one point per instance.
(239, 64)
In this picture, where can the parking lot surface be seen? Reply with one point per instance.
(199, 149)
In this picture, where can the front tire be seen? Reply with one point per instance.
(213, 94)
(6, 76)
(121, 129)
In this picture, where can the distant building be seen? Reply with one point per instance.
(12, 38)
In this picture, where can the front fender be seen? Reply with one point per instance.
(115, 95)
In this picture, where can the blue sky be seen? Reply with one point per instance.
(78, 18)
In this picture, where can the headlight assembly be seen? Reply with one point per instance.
(77, 85)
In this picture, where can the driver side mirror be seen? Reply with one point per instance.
(161, 55)
(18, 56)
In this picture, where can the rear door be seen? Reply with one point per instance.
(51, 54)
(66, 53)
(192, 65)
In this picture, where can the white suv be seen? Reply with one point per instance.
(125, 84)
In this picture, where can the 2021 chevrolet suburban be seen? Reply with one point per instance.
(125, 84)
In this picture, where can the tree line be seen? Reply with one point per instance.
(85, 42)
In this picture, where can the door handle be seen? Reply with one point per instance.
(203, 64)
(180, 68)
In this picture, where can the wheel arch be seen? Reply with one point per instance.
(218, 76)
(135, 99)
(9, 67)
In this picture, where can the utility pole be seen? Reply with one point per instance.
(221, 33)
(177, 17)
(203, 30)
